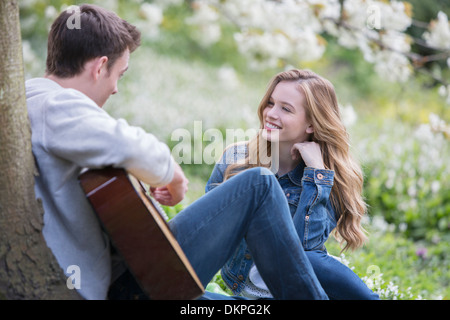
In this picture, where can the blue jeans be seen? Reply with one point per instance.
(339, 281)
(252, 206)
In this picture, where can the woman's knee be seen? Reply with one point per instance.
(258, 173)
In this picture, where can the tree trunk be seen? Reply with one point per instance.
(28, 269)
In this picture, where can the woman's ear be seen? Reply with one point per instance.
(310, 129)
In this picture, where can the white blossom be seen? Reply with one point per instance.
(435, 186)
(348, 115)
(394, 15)
(51, 13)
(444, 91)
(152, 18)
(152, 13)
(396, 41)
(392, 66)
(263, 50)
(205, 19)
(167, 3)
(291, 30)
(438, 35)
(228, 76)
(438, 125)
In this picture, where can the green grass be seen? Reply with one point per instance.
(406, 269)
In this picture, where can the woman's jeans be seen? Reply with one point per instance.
(338, 281)
(251, 205)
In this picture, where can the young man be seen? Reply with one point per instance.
(70, 131)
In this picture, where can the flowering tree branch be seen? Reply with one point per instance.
(290, 31)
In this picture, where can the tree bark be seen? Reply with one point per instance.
(28, 269)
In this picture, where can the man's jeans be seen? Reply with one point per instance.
(251, 205)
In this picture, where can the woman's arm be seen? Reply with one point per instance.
(314, 218)
(232, 154)
(216, 177)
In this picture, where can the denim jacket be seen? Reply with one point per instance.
(307, 191)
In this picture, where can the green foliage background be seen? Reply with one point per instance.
(405, 159)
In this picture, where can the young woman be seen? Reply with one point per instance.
(303, 140)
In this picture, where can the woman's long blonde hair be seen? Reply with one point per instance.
(322, 111)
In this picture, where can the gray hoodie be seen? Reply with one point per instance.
(70, 132)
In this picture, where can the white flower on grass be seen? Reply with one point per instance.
(348, 115)
(227, 75)
(412, 190)
(435, 186)
(436, 123)
(379, 224)
(444, 91)
(402, 227)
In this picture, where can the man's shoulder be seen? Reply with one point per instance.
(50, 94)
(40, 86)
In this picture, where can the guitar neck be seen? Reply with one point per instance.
(139, 185)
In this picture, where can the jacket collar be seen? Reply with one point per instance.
(295, 175)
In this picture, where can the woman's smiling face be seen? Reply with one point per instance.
(285, 114)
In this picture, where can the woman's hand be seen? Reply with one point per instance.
(310, 152)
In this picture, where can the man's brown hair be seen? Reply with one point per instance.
(99, 33)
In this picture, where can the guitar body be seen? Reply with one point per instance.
(140, 234)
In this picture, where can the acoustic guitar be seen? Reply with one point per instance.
(139, 231)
